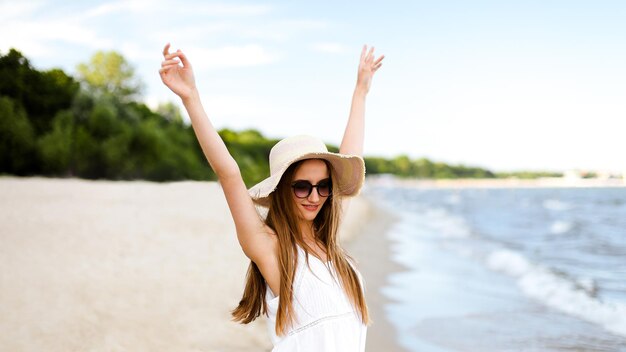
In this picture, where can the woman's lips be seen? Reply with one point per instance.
(310, 207)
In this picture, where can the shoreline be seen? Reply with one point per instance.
(473, 268)
(372, 250)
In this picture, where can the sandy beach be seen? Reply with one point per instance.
(144, 266)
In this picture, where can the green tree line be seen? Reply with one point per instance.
(403, 166)
(93, 125)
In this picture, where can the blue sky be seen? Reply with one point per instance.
(537, 85)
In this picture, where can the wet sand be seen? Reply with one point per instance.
(372, 250)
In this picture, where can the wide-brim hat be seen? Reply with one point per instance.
(348, 171)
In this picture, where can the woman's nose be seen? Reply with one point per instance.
(314, 196)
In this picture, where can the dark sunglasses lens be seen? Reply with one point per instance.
(324, 189)
(302, 189)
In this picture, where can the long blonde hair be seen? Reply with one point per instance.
(283, 219)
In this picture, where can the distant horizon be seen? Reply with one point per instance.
(506, 87)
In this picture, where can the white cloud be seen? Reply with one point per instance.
(12, 9)
(230, 56)
(138, 27)
(279, 30)
(116, 7)
(231, 9)
(42, 37)
(275, 118)
(220, 29)
(303, 24)
(144, 7)
(138, 52)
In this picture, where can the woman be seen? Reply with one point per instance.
(322, 305)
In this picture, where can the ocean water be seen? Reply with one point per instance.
(508, 269)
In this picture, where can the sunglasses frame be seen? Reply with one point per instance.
(311, 186)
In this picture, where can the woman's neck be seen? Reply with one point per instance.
(308, 231)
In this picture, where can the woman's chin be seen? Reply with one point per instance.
(307, 215)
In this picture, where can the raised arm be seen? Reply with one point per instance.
(180, 80)
(352, 142)
(252, 233)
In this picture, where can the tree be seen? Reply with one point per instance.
(40, 93)
(17, 149)
(55, 147)
(424, 168)
(402, 165)
(108, 72)
(170, 112)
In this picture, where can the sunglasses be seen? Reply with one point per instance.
(302, 188)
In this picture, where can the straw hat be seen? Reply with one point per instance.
(348, 171)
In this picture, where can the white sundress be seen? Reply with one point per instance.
(325, 319)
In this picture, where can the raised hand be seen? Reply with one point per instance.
(178, 78)
(368, 65)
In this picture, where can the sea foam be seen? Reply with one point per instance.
(555, 204)
(571, 296)
(445, 224)
(561, 227)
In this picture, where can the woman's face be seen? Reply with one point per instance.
(314, 171)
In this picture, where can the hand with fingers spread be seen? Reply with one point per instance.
(178, 78)
(353, 137)
(368, 65)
